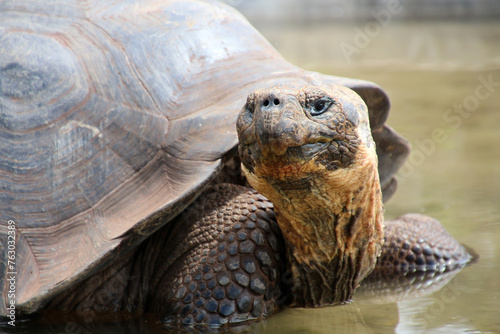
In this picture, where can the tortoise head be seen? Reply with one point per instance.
(322, 125)
(309, 150)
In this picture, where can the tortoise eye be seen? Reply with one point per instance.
(320, 106)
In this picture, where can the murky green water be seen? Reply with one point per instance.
(429, 70)
(444, 82)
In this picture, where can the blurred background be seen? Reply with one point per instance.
(319, 33)
(439, 62)
(317, 10)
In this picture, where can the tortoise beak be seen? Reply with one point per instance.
(276, 125)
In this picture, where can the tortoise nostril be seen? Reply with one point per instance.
(276, 102)
(266, 103)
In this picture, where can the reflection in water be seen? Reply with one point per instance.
(434, 292)
(348, 318)
(383, 288)
(381, 305)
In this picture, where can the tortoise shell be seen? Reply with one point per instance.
(114, 114)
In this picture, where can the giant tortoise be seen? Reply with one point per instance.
(121, 185)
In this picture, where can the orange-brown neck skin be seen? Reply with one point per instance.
(331, 221)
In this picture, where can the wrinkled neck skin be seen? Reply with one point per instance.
(332, 226)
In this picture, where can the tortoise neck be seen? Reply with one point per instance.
(333, 237)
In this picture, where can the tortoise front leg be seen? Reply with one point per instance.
(223, 260)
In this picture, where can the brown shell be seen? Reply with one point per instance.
(116, 113)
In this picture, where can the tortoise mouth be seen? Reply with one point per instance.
(298, 161)
(293, 154)
(254, 155)
(306, 152)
